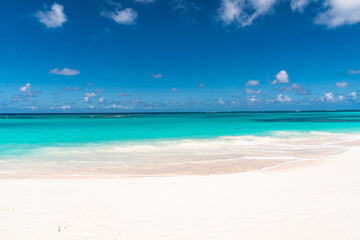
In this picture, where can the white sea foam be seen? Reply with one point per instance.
(203, 156)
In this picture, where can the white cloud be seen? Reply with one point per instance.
(123, 94)
(342, 84)
(117, 106)
(283, 98)
(158, 75)
(91, 106)
(126, 16)
(269, 100)
(64, 71)
(252, 82)
(329, 96)
(353, 72)
(299, 5)
(101, 99)
(341, 98)
(281, 77)
(68, 88)
(296, 88)
(88, 96)
(243, 12)
(220, 101)
(174, 90)
(252, 99)
(64, 107)
(201, 85)
(250, 91)
(25, 88)
(352, 95)
(339, 12)
(333, 13)
(53, 18)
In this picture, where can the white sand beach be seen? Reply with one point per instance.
(302, 200)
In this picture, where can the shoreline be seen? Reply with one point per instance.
(225, 155)
(279, 166)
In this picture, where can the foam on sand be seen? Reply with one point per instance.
(221, 155)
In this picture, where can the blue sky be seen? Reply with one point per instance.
(179, 55)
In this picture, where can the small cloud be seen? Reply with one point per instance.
(90, 84)
(329, 96)
(252, 99)
(250, 91)
(241, 12)
(117, 106)
(88, 96)
(353, 72)
(53, 18)
(101, 99)
(342, 84)
(252, 82)
(91, 106)
(281, 77)
(220, 101)
(174, 90)
(269, 100)
(25, 88)
(352, 96)
(341, 98)
(301, 90)
(283, 98)
(158, 75)
(64, 71)
(126, 16)
(299, 5)
(72, 88)
(123, 95)
(64, 107)
(201, 85)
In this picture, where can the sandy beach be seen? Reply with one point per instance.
(180, 120)
(299, 200)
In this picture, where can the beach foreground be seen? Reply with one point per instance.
(317, 199)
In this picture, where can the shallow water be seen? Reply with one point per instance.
(163, 144)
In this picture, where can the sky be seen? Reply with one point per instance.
(179, 55)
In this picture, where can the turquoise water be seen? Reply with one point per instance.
(22, 133)
(181, 143)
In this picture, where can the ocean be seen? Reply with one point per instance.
(168, 143)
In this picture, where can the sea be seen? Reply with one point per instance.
(147, 144)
